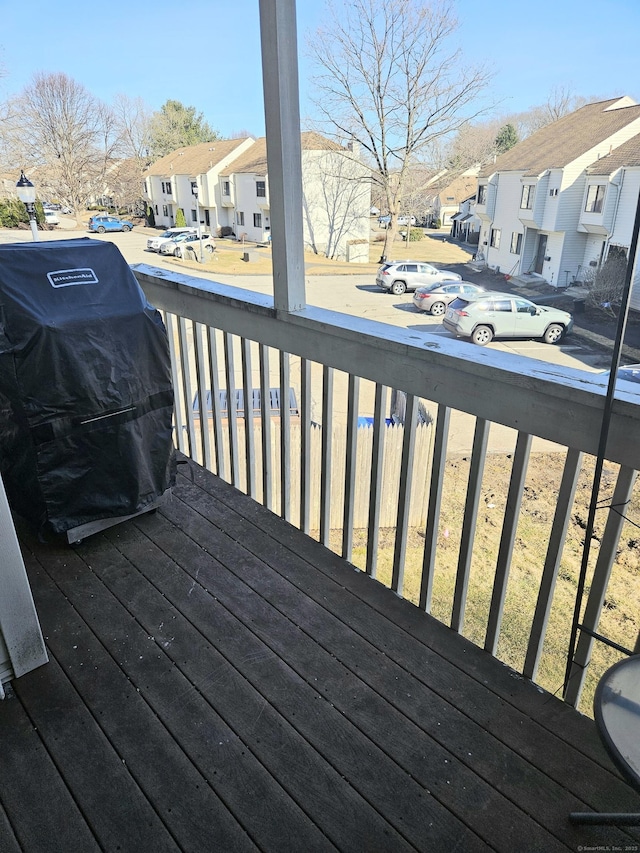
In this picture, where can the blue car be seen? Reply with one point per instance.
(109, 223)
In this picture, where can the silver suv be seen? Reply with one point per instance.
(484, 316)
(401, 276)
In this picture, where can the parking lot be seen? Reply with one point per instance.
(354, 294)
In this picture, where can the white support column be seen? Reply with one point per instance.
(19, 626)
(284, 157)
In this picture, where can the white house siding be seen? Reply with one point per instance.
(506, 218)
(592, 255)
(248, 203)
(623, 226)
(567, 263)
(336, 197)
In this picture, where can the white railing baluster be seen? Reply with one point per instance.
(201, 385)
(216, 418)
(305, 445)
(353, 394)
(265, 420)
(232, 409)
(404, 501)
(469, 523)
(285, 436)
(249, 437)
(562, 517)
(178, 417)
(433, 511)
(183, 344)
(512, 511)
(375, 488)
(327, 443)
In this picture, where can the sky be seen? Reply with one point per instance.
(206, 53)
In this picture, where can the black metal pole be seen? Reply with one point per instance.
(602, 445)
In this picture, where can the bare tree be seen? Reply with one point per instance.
(66, 132)
(388, 79)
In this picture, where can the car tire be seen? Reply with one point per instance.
(101, 229)
(398, 288)
(126, 228)
(482, 335)
(553, 334)
(209, 249)
(438, 309)
(178, 253)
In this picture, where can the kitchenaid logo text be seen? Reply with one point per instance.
(65, 278)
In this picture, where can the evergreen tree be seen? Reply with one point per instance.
(176, 126)
(506, 138)
(181, 222)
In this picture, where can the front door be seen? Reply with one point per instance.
(542, 251)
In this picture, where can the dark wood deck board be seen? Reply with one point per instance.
(248, 690)
(492, 712)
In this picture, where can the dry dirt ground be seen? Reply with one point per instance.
(621, 615)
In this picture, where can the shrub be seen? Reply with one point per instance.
(605, 290)
(12, 213)
(225, 231)
(181, 222)
(415, 234)
(438, 223)
(151, 217)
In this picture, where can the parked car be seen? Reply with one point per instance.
(175, 245)
(434, 298)
(51, 217)
(484, 316)
(154, 243)
(402, 220)
(103, 223)
(188, 247)
(401, 276)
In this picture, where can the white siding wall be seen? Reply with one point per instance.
(336, 201)
(623, 225)
(507, 207)
(247, 203)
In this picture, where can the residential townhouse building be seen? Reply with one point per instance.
(169, 183)
(534, 200)
(609, 208)
(233, 193)
(446, 204)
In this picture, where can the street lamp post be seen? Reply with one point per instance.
(27, 195)
(194, 190)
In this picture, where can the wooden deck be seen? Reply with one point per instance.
(220, 682)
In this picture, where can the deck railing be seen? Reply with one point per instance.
(368, 480)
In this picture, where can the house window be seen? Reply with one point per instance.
(516, 243)
(194, 188)
(595, 198)
(553, 192)
(166, 187)
(482, 194)
(257, 220)
(226, 189)
(261, 190)
(495, 237)
(156, 207)
(526, 200)
(144, 188)
(194, 215)
(240, 217)
(165, 210)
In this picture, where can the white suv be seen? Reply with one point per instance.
(154, 243)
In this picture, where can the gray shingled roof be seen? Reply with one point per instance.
(562, 142)
(627, 154)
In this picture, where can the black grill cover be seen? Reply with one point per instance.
(86, 397)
